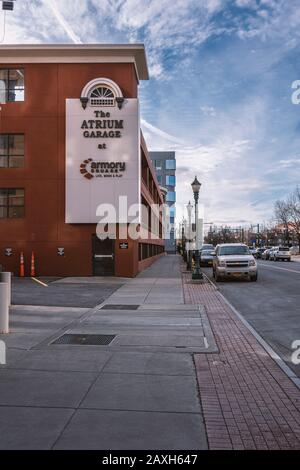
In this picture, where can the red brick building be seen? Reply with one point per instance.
(35, 84)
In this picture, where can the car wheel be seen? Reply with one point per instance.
(253, 278)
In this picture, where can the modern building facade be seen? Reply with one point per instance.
(165, 167)
(73, 161)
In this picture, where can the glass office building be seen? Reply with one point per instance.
(165, 167)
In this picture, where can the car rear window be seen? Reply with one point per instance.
(233, 250)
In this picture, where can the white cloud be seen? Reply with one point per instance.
(246, 3)
(158, 132)
(208, 110)
(289, 163)
(62, 21)
(160, 24)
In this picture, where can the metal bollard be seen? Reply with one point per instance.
(6, 277)
(4, 318)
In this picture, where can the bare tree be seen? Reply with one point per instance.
(294, 212)
(283, 216)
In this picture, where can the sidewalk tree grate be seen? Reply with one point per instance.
(119, 307)
(82, 339)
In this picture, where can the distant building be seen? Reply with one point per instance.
(165, 167)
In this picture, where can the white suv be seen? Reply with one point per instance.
(280, 253)
(232, 260)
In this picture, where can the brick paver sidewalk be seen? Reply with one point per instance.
(248, 402)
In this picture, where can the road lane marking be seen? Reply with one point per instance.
(277, 267)
(40, 282)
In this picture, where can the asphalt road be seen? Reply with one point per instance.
(271, 305)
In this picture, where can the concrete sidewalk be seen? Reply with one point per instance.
(136, 390)
(161, 363)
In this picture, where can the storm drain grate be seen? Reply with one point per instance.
(81, 339)
(119, 307)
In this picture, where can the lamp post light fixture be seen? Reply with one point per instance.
(189, 233)
(197, 274)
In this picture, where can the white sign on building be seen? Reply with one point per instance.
(102, 152)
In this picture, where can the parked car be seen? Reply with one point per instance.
(234, 260)
(252, 250)
(266, 254)
(294, 250)
(271, 251)
(280, 253)
(206, 258)
(259, 253)
(207, 246)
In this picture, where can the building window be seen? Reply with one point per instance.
(170, 180)
(159, 179)
(102, 96)
(158, 164)
(170, 164)
(172, 211)
(11, 150)
(12, 203)
(171, 196)
(147, 250)
(11, 85)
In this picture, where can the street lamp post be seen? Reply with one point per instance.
(197, 274)
(184, 239)
(189, 252)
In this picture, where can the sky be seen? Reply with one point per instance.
(219, 93)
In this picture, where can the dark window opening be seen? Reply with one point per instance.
(147, 250)
(11, 150)
(12, 203)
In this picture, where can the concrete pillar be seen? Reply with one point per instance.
(6, 277)
(4, 319)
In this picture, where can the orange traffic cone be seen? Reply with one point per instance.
(22, 273)
(32, 265)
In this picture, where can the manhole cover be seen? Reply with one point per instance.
(119, 307)
(89, 340)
